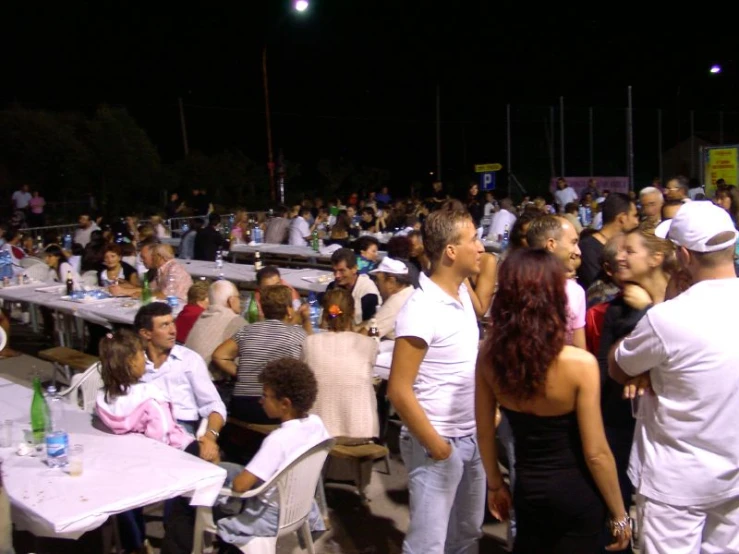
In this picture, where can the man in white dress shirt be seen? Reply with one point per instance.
(182, 375)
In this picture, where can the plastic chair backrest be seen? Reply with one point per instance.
(29, 261)
(3, 338)
(39, 272)
(297, 486)
(88, 383)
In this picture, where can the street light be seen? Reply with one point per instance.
(299, 6)
(715, 69)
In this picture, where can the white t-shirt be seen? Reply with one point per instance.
(299, 229)
(576, 308)
(388, 312)
(501, 220)
(445, 384)
(283, 445)
(21, 199)
(686, 446)
(565, 196)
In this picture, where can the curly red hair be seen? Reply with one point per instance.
(529, 319)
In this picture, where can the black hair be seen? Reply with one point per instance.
(145, 316)
(292, 379)
(615, 204)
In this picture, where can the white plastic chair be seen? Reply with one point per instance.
(29, 261)
(3, 338)
(296, 485)
(88, 383)
(39, 272)
(90, 278)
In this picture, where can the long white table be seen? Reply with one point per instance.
(121, 472)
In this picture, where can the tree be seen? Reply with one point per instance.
(42, 149)
(335, 173)
(125, 164)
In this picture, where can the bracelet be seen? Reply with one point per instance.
(215, 433)
(618, 526)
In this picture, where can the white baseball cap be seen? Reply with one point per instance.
(391, 266)
(696, 223)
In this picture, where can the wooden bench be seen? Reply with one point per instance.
(66, 360)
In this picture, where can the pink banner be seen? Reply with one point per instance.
(613, 184)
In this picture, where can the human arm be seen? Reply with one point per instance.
(596, 451)
(578, 338)
(639, 352)
(244, 481)
(482, 295)
(209, 405)
(408, 354)
(224, 356)
(499, 498)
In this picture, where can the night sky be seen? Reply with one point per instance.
(358, 78)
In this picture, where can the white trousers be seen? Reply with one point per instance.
(709, 529)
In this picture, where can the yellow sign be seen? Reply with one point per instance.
(721, 163)
(484, 168)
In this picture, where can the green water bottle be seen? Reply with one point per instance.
(314, 240)
(39, 413)
(252, 312)
(146, 292)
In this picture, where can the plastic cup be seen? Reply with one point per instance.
(76, 460)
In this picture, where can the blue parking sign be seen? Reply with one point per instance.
(487, 180)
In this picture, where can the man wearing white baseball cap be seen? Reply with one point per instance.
(685, 459)
(395, 284)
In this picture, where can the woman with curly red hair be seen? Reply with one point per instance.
(550, 394)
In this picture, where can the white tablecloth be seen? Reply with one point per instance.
(120, 472)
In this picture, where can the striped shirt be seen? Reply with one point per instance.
(261, 343)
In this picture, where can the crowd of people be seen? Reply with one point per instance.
(593, 354)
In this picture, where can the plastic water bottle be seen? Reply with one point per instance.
(219, 264)
(171, 293)
(257, 234)
(506, 239)
(68, 242)
(6, 265)
(314, 310)
(57, 440)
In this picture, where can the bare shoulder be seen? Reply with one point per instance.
(576, 361)
(488, 261)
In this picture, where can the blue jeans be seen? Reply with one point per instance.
(447, 498)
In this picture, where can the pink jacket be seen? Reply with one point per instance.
(145, 409)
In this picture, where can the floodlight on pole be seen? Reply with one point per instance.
(301, 5)
(715, 69)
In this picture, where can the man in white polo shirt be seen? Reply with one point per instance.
(685, 458)
(432, 384)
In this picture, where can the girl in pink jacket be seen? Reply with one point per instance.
(127, 406)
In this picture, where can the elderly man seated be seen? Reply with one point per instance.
(159, 257)
(395, 284)
(218, 322)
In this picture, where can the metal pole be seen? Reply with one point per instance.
(721, 127)
(659, 143)
(590, 122)
(692, 144)
(438, 133)
(281, 176)
(270, 156)
(562, 136)
(508, 146)
(553, 167)
(183, 126)
(630, 140)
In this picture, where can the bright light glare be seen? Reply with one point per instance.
(301, 5)
(715, 69)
